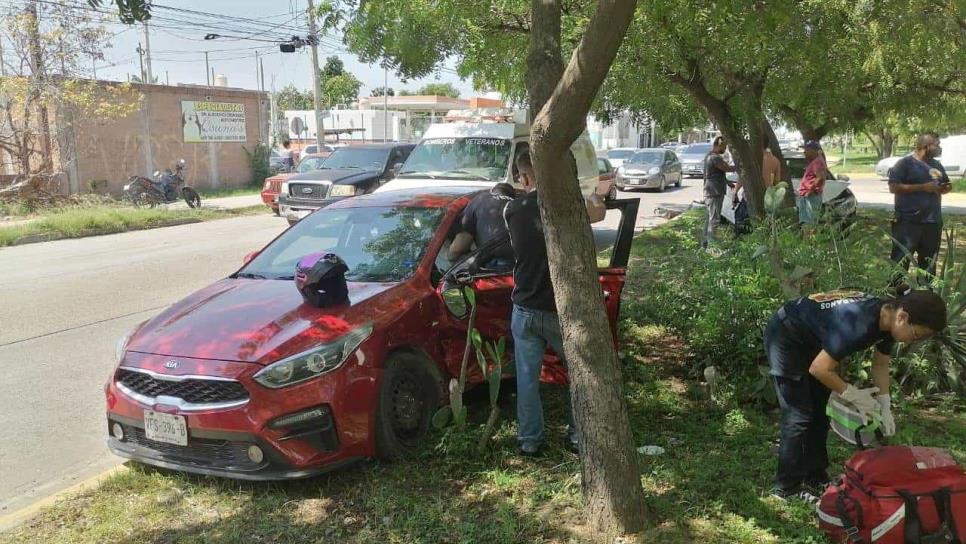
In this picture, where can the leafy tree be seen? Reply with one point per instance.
(519, 48)
(290, 98)
(440, 89)
(341, 89)
(333, 67)
(136, 78)
(382, 91)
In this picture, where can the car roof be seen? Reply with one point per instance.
(417, 197)
(653, 149)
(391, 145)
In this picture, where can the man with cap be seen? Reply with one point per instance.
(918, 181)
(809, 201)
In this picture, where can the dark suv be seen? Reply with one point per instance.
(349, 171)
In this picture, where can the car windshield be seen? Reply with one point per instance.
(484, 159)
(695, 149)
(647, 157)
(310, 150)
(620, 153)
(379, 244)
(310, 164)
(364, 158)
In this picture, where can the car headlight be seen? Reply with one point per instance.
(343, 190)
(654, 170)
(284, 188)
(267, 186)
(314, 362)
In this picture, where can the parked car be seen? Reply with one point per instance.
(481, 153)
(692, 159)
(276, 163)
(273, 184)
(607, 184)
(347, 172)
(653, 168)
(313, 149)
(618, 155)
(245, 379)
(883, 167)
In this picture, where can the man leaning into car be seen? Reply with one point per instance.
(534, 322)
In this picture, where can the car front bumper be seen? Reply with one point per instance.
(692, 169)
(220, 440)
(651, 181)
(270, 199)
(294, 209)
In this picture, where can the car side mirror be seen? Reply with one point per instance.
(394, 171)
(842, 177)
(248, 257)
(456, 302)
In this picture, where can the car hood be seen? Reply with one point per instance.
(691, 156)
(347, 176)
(280, 177)
(630, 167)
(257, 321)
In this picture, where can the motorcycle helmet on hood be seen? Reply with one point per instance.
(320, 277)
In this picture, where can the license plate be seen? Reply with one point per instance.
(302, 213)
(166, 428)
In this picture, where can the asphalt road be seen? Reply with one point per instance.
(64, 304)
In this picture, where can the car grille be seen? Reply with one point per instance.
(306, 190)
(193, 390)
(275, 185)
(224, 454)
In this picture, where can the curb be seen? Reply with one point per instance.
(15, 519)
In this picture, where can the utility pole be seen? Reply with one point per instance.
(140, 51)
(273, 112)
(385, 102)
(316, 86)
(207, 70)
(147, 53)
(256, 70)
(39, 73)
(3, 65)
(94, 65)
(261, 64)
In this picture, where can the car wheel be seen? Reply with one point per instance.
(680, 181)
(277, 211)
(663, 185)
(612, 194)
(408, 397)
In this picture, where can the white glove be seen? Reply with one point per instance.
(861, 399)
(888, 422)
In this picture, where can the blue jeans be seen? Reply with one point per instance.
(534, 330)
(809, 208)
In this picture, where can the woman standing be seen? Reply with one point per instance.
(805, 341)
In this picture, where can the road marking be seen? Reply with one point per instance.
(14, 519)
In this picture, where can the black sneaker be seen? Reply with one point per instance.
(529, 451)
(798, 495)
(572, 446)
(818, 487)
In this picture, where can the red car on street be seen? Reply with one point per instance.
(244, 379)
(273, 184)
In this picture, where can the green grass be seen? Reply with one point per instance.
(959, 185)
(80, 222)
(863, 163)
(224, 192)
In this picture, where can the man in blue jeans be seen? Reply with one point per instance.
(534, 322)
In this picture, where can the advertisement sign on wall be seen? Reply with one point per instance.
(212, 122)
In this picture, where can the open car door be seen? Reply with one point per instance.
(493, 286)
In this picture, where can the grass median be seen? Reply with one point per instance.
(93, 221)
(710, 486)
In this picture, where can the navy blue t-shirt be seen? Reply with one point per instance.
(840, 322)
(531, 273)
(918, 207)
(483, 218)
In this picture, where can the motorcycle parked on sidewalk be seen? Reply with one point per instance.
(167, 187)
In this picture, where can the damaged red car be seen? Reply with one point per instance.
(247, 379)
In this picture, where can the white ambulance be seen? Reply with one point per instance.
(477, 148)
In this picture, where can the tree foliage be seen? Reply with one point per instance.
(291, 98)
(382, 91)
(341, 89)
(440, 89)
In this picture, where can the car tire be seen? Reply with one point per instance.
(277, 212)
(680, 182)
(663, 185)
(612, 194)
(409, 395)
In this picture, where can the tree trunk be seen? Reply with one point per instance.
(875, 145)
(611, 479)
(39, 78)
(888, 143)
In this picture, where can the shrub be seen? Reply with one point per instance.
(258, 161)
(720, 303)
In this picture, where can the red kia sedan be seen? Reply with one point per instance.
(244, 379)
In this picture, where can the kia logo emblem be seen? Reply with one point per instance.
(306, 190)
(172, 364)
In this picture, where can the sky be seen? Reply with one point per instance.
(178, 46)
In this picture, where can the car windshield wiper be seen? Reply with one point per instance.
(250, 276)
(410, 172)
(285, 278)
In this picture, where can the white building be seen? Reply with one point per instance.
(348, 125)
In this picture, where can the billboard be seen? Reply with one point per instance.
(212, 122)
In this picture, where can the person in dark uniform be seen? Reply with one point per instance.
(483, 221)
(805, 341)
(918, 181)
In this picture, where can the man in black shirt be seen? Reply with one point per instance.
(715, 186)
(534, 324)
(918, 181)
(482, 222)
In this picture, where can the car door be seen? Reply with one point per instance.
(674, 165)
(492, 290)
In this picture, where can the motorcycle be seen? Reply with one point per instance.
(167, 187)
